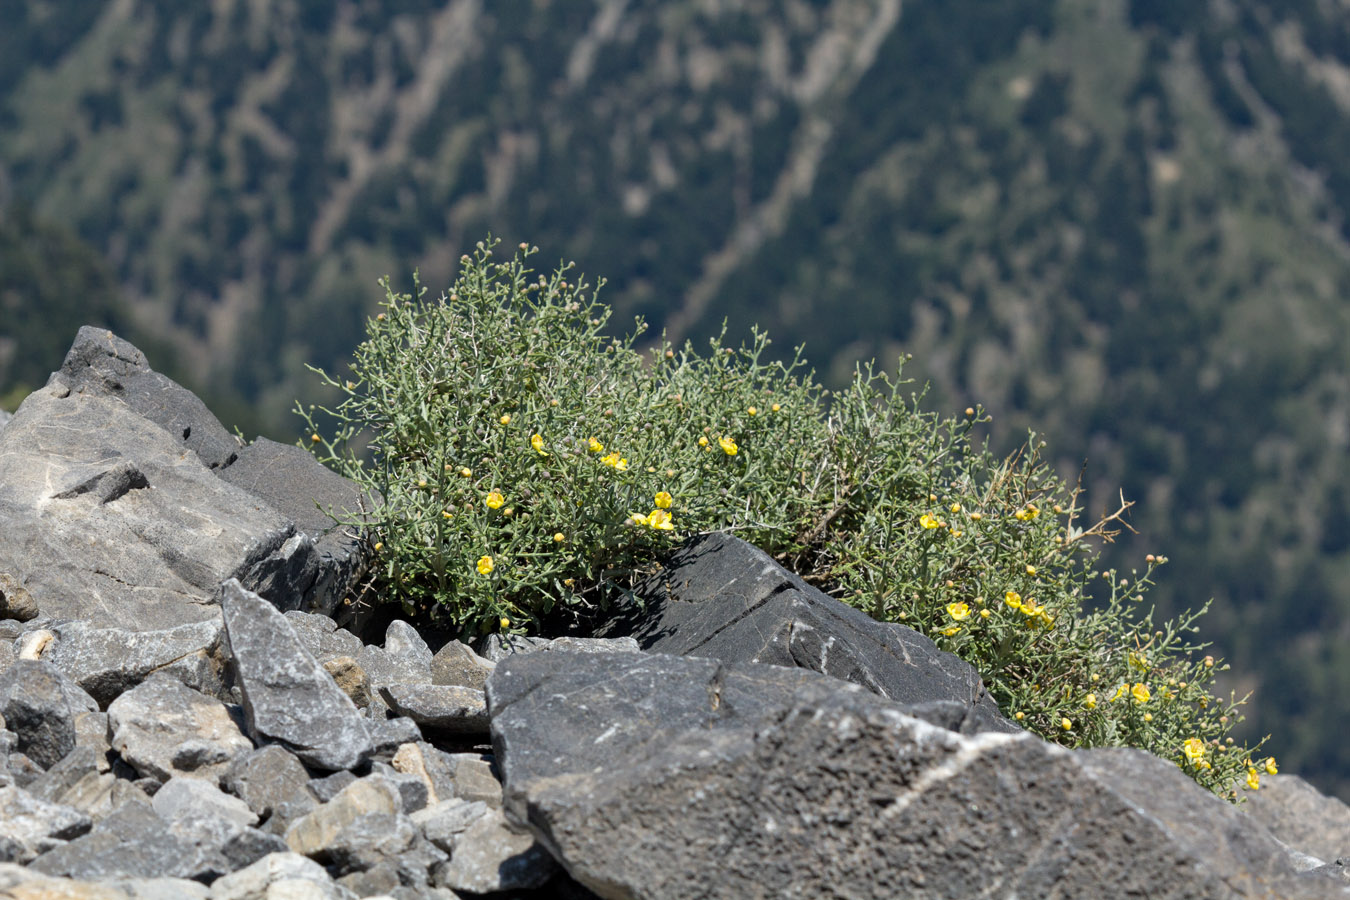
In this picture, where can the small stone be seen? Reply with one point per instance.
(351, 678)
(492, 855)
(164, 728)
(457, 664)
(15, 601)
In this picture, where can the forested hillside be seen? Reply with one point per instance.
(1123, 224)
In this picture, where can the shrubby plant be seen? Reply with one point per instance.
(533, 467)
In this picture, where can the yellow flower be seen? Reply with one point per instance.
(1194, 748)
(504, 622)
(1140, 693)
(379, 545)
(660, 520)
(637, 519)
(703, 440)
(1120, 692)
(1090, 701)
(984, 614)
(505, 419)
(958, 611)
(615, 461)
(752, 411)
(951, 630)
(1019, 715)
(466, 471)
(315, 438)
(537, 442)
(494, 500)
(775, 407)
(559, 537)
(1031, 570)
(1138, 661)
(728, 446)
(1253, 780)
(484, 565)
(594, 446)
(1148, 717)
(1271, 768)
(1066, 724)
(663, 500)
(955, 507)
(1013, 599)
(927, 520)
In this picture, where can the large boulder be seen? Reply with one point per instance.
(722, 598)
(653, 776)
(1301, 816)
(117, 513)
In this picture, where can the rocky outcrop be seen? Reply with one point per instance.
(213, 732)
(722, 598)
(123, 504)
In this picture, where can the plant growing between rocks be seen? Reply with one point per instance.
(533, 467)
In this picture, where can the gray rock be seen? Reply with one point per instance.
(315, 833)
(39, 704)
(81, 780)
(21, 884)
(493, 855)
(224, 846)
(350, 678)
(91, 730)
(401, 640)
(388, 735)
(131, 842)
(181, 797)
(457, 664)
(368, 841)
(163, 728)
(330, 786)
(497, 647)
(30, 827)
(288, 697)
(277, 876)
(722, 598)
(273, 783)
(1301, 816)
(108, 661)
(15, 601)
(292, 482)
(475, 779)
(434, 767)
(445, 821)
(637, 771)
(321, 636)
(412, 789)
(441, 707)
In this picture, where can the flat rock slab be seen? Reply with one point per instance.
(652, 776)
(288, 697)
(440, 707)
(720, 597)
(17, 883)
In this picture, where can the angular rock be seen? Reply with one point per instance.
(272, 782)
(402, 641)
(350, 678)
(91, 730)
(370, 840)
(292, 482)
(433, 766)
(108, 661)
(15, 601)
(181, 797)
(328, 787)
(224, 846)
(1301, 816)
(722, 598)
(277, 876)
(412, 789)
(131, 842)
(163, 728)
(445, 821)
(387, 735)
(288, 697)
(39, 704)
(492, 855)
(313, 834)
(637, 771)
(17, 883)
(321, 636)
(441, 707)
(81, 781)
(497, 647)
(457, 664)
(30, 827)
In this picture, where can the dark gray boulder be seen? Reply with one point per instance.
(273, 783)
(652, 776)
(288, 697)
(722, 598)
(39, 704)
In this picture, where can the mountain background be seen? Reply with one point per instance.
(1121, 223)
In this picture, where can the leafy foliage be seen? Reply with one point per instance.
(530, 466)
